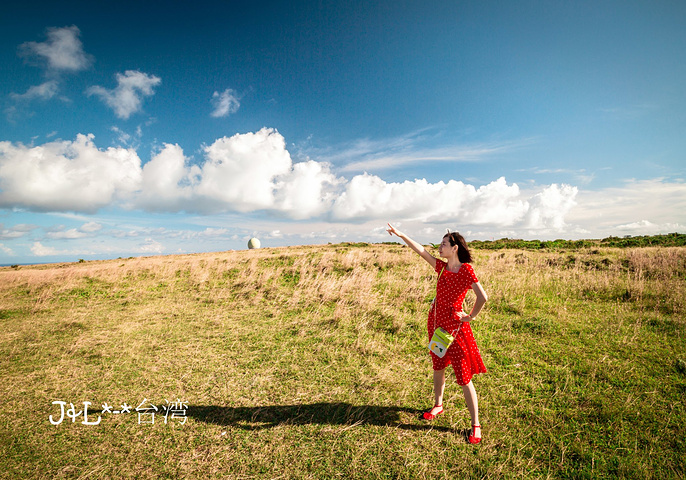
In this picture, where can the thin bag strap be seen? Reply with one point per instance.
(435, 306)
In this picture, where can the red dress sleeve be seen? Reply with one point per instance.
(440, 265)
(470, 274)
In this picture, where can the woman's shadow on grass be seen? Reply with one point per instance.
(343, 414)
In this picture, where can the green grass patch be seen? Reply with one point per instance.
(310, 362)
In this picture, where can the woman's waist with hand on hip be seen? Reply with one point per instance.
(454, 311)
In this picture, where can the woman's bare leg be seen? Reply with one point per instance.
(472, 405)
(439, 386)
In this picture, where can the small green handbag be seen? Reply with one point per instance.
(440, 342)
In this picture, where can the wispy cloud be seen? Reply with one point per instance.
(44, 91)
(21, 107)
(472, 153)
(17, 231)
(40, 250)
(7, 250)
(86, 230)
(650, 206)
(127, 97)
(580, 175)
(629, 112)
(126, 139)
(366, 155)
(225, 103)
(61, 52)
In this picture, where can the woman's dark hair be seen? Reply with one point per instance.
(462, 251)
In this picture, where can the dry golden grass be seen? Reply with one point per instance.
(309, 362)
(334, 275)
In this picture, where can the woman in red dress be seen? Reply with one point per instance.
(456, 277)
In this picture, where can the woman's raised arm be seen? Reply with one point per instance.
(413, 245)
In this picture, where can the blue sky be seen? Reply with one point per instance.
(133, 128)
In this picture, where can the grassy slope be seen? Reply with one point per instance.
(309, 362)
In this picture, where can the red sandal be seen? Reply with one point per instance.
(472, 439)
(430, 416)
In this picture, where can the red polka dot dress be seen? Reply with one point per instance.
(463, 354)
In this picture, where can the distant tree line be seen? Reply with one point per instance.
(668, 240)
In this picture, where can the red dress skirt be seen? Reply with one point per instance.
(463, 354)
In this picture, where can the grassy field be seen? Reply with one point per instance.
(310, 362)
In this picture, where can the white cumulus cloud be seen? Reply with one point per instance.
(127, 97)
(167, 181)
(225, 103)
(40, 250)
(550, 207)
(306, 191)
(64, 176)
(243, 173)
(240, 171)
(254, 172)
(368, 197)
(150, 246)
